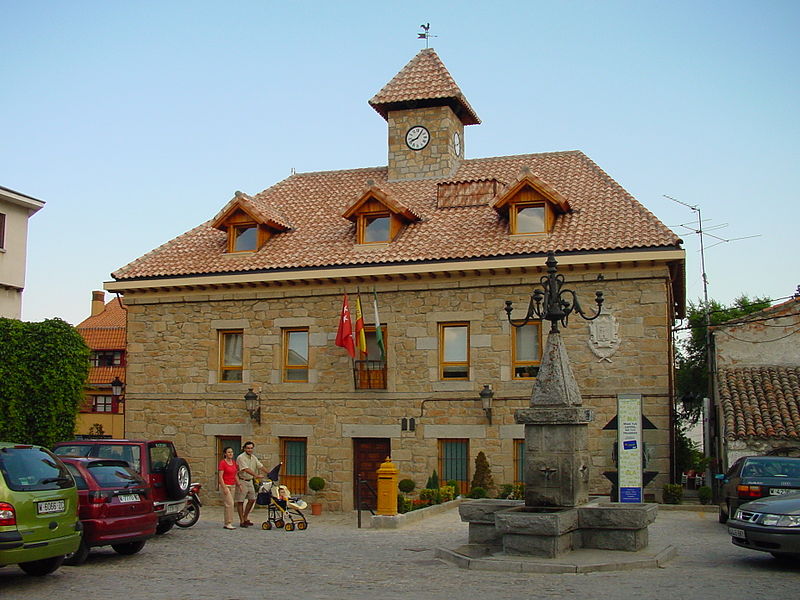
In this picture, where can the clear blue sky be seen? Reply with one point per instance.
(137, 121)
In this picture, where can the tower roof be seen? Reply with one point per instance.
(423, 82)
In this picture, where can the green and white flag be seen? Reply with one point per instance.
(378, 330)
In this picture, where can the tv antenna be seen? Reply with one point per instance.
(426, 33)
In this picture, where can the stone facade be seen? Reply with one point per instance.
(173, 364)
(438, 158)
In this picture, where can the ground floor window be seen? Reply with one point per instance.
(519, 462)
(293, 457)
(454, 463)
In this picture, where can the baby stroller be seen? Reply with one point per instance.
(283, 509)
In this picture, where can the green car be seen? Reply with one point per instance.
(38, 509)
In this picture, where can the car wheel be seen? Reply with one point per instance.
(42, 567)
(724, 515)
(77, 558)
(189, 516)
(129, 548)
(177, 478)
(164, 526)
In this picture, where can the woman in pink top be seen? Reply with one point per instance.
(227, 470)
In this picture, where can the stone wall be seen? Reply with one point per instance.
(438, 158)
(172, 388)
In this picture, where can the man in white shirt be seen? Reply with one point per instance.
(249, 468)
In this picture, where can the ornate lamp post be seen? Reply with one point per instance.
(553, 302)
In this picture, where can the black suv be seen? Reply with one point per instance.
(166, 473)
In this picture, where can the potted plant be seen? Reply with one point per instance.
(316, 484)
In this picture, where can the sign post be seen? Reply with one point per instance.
(629, 447)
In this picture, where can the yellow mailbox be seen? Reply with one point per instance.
(387, 488)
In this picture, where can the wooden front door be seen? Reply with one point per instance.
(368, 456)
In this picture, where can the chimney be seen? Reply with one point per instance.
(98, 302)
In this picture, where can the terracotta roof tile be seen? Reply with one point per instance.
(103, 338)
(603, 217)
(103, 376)
(760, 402)
(424, 78)
(112, 315)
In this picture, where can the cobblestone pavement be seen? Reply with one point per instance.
(334, 559)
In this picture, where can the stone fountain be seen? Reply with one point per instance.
(556, 516)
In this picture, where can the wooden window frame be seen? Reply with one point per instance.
(112, 403)
(221, 333)
(443, 479)
(232, 237)
(95, 356)
(362, 223)
(442, 363)
(524, 363)
(297, 484)
(2, 230)
(548, 217)
(286, 367)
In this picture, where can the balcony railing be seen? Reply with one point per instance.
(369, 374)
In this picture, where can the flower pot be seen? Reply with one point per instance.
(316, 508)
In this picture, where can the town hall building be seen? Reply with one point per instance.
(252, 300)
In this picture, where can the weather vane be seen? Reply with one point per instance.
(426, 34)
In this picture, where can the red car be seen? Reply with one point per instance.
(115, 506)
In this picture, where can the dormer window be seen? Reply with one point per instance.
(243, 238)
(374, 228)
(529, 218)
(531, 206)
(378, 217)
(247, 224)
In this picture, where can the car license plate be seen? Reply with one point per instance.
(737, 533)
(173, 508)
(128, 497)
(779, 491)
(53, 506)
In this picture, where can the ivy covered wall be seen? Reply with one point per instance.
(43, 368)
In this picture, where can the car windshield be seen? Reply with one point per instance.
(114, 475)
(30, 468)
(771, 468)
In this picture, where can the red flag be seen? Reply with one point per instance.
(344, 337)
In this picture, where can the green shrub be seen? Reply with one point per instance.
(505, 491)
(477, 492)
(316, 483)
(456, 488)
(673, 493)
(483, 473)
(406, 485)
(518, 492)
(447, 493)
(433, 481)
(431, 496)
(403, 504)
(704, 494)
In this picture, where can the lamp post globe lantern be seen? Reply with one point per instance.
(251, 401)
(117, 387)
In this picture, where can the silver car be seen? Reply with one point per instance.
(769, 525)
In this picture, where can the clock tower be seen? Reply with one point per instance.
(426, 112)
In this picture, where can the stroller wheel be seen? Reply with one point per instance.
(302, 525)
(289, 527)
(279, 523)
(266, 525)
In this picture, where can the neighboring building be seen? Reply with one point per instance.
(15, 210)
(103, 413)
(758, 381)
(252, 299)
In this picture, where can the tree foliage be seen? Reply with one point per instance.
(43, 369)
(692, 352)
(483, 473)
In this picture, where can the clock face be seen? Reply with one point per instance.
(457, 143)
(417, 137)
